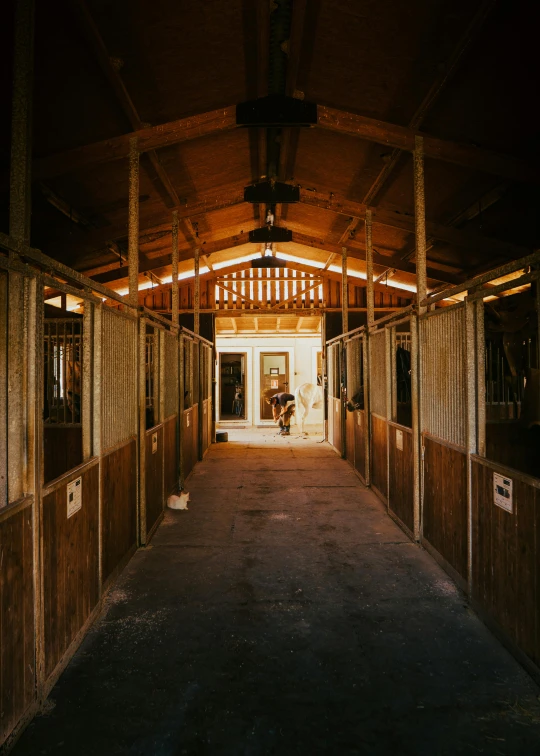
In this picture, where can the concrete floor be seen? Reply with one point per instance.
(285, 613)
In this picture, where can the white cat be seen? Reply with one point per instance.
(178, 502)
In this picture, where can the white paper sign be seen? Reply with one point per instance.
(359, 420)
(74, 498)
(502, 492)
(187, 419)
(154, 443)
(399, 440)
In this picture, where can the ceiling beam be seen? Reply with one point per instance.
(98, 238)
(209, 248)
(111, 72)
(340, 121)
(149, 138)
(444, 76)
(402, 138)
(405, 221)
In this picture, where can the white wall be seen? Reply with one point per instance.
(302, 352)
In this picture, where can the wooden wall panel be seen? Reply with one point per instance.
(350, 420)
(506, 556)
(171, 456)
(70, 565)
(379, 454)
(17, 662)
(119, 506)
(360, 442)
(445, 502)
(155, 499)
(62, 451)
(401, 477)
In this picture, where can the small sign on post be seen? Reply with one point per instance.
(502, 492)
(154, 443)
(399, 440)
(74, 496)
(359, 418)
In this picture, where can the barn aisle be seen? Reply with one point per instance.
(285, 613)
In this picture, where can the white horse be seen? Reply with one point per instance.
(308, 396)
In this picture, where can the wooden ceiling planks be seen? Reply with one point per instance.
(368, 64)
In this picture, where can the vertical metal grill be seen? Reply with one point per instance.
(206, 372)
(119, 378)
(355, 367)
(442, 375)
(377, 377)
(63, 359)
(333, 371)
(171, 374)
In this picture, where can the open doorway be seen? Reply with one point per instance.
(232, 386)
(274, 379)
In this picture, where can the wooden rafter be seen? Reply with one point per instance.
(224, 119)
(305, 290)
(402, 138)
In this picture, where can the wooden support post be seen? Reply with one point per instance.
(370, 292)
(420, 221)
(182, 390)
(471, 404)
(416, 434)
(133, 223)
(344, 292)
(197, 298)
(141, 519)
(174, 261)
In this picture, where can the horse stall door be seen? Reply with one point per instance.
(117, 408)
(152, 450)
(70, 496)
(171, 471)
(186, 438)
(18, 531)
(505, 538)
(400, 436)
(442, 337)
(355, 402)
(206, 397)
(378, 409)
(334, 396)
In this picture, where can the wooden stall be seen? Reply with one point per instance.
(444, 435)
(115, 394)
(334, 357)
(506, 552)
(196, 375)
(401, 440)
(378, 402)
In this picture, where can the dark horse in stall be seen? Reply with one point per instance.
(403, 381)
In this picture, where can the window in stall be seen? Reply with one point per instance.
(512, 381)
(152, 377)
(63, 347)
(401, 376)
